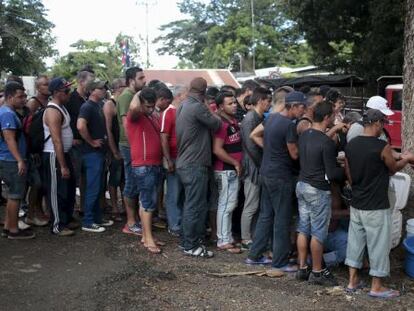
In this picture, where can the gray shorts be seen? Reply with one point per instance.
(371, 230)
(15, 182)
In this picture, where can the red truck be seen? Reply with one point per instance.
(391, 87)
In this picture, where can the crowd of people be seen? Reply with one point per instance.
(268, 172)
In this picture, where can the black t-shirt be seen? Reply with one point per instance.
(93, 114)
(115, 125)
(278, 132)
(317, 155)
(73, 107)
(370, 175)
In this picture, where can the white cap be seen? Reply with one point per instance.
(379, 103)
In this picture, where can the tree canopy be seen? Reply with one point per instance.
(355, 36)
(103, 57)
(25, 36)
(219, 34)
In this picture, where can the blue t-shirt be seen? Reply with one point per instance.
(10, 121)
(278, 132)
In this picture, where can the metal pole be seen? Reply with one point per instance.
(147, 39)
(253, 37)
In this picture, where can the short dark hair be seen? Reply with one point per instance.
(157, 85)
(82, 75)
(12, 87)
(260, 93)
(333, 95)
(131, 73)
(165, 93)
(246, 100)
(221, 96)
(148, 94)
(212, 92)
(249, 85)
(228, 88)
(88, 68)
(14, 78)
(322, 110)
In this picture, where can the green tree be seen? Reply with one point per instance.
(25, 36)
(103, 57)
(219, 34)
(355, 36)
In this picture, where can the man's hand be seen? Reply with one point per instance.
(238, 168)
(76, 142)
(97, 143)
(64, 171)
(340, 127)
(409, 156)
(21, 167)
(171, 166)
(117, 156)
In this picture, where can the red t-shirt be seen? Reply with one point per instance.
(168, 127)
(144, 140)
(229, 132)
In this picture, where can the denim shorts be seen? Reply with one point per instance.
(146, 181)
(34, 171)
(128, 173)
(314, 211)
(15, 182)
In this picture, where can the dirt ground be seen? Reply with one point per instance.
(111, 271)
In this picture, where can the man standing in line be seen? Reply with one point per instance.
(135, 81)
(193, 126)
(12, 158)
(59, 179)
(91, 127)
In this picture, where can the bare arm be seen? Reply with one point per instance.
(303, 126)
(257, 135)
(33, 105)
(82, 126)
(166, 151)
(10, 139)
(293, 150)
(393, 165)
(109, 113)
(53, 120)
(219, 151)
(134, 109)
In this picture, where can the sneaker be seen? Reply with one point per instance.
(246, 246)
(21, 235)
(134, 229)
(200, 251)
(65, 232)
(288, 268)
(93, 228)
(324, 278)
(22, 225)
(260, 261)
(303, 274)
(5, 233)
(73, 225)
(36, 222)
(174, 233)
(106, 223)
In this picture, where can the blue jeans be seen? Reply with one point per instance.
(275, 213)
(174, 201)
(146, 179)
(228, 189)
(195, 181)
(93, 165)
(335, 247)
(314, 211)
(129, 175)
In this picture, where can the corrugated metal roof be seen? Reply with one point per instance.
(216, 77)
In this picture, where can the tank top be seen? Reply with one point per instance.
(67, 135)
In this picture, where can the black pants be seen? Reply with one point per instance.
(60, 192)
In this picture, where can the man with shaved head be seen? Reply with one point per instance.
(193, 127)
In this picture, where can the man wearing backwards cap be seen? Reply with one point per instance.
(193, 127)
(369, 164)
(91, 126)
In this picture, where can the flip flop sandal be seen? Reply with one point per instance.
(229, 248)
(159, 243)
(360, 285)
(388, 294)
(153, 249)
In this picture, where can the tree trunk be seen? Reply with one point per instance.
(408, 78)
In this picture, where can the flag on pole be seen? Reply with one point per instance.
(126, 61)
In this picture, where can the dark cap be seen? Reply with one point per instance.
(96, 84)
(58, 84)
(295, 97)
(373, 115)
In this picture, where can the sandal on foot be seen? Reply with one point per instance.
(229, 248)
(353, 290)
(388, 294)
(153, 249)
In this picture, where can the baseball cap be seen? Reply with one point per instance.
(379, 103)
(374, 115)
(96, 84)
(295, 97)
(58, 84)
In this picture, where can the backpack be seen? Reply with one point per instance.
(34, 130)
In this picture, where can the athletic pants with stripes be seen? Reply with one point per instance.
(60, 192)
